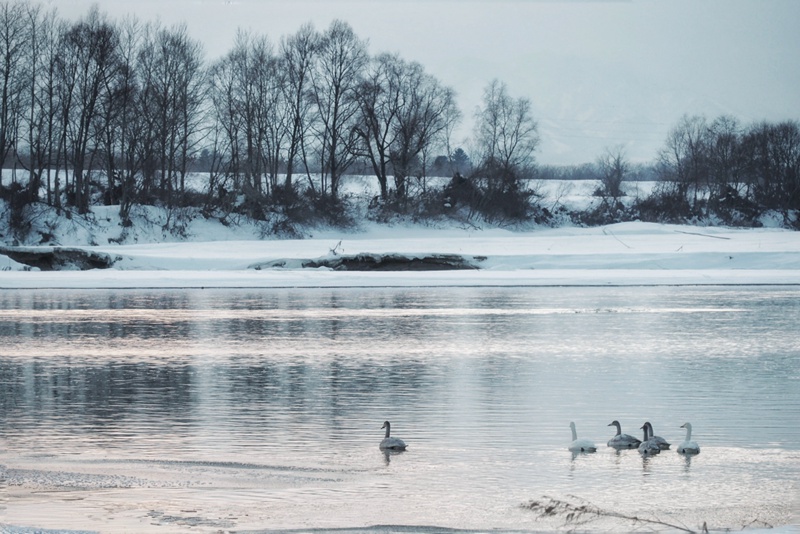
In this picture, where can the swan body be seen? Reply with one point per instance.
(688, 446)
(622, 441)
(580, 445)
(390, 443)
(648, 447)
(661, 442)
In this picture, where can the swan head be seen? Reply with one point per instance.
(687, 426)
(572, 425)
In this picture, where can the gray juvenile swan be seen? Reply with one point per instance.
(661, 442)
(688, 446)
(648, 447)
(580, 445)
(389, 443)
(622, 441)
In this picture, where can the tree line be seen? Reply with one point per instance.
(736, 172)
(98, 111)
(138, 103)
(708, 170)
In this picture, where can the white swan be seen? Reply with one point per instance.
(648, 447)
(688, 446)
(389, 443)
(580, 445)
(661, 442)
(622, 441)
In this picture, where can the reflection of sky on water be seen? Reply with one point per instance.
(483, 395)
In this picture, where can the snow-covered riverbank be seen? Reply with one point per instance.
(621, 254)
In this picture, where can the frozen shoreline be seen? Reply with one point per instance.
(321, 278)
(625, 254)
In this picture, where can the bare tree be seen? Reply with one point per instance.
(773, 164)
(124, 158)
(379, 97)
(612, 168)
(506, 133)
(336, 78)
(173, 92)
(297, 55)
(275, 112)
(683, 162)
(427, 111)
(404, 113)
(725, 163)
(15, 42)
(89, 56)
(41, 111)
(228, 118)
(506, 137)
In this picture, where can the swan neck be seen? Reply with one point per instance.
(574, 433)
(387, 430)
(619, 428)
(688, 432)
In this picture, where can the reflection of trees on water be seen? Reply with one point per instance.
(162, 395)
(93, 396)
(230, 368)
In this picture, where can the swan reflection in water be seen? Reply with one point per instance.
(388, 453)
(687, 462)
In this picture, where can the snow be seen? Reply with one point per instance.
(207, 253)
(633, 253)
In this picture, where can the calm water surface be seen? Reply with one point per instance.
(254, 410)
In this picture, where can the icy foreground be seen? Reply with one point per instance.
(622, 254)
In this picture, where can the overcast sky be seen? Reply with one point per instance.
(599, 73)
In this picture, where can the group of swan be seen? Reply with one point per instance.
(651, 444)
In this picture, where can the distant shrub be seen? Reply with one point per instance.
(735, 210)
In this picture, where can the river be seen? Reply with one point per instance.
(261, 410)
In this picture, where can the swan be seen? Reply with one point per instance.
(580, 445)
(662, 443)
(648, 446)
(391, 444)
(622, 441)
(688, 446)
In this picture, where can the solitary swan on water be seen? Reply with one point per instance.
(580, 445)
(622, 441)
(661, 442)
(688, 446)
(392, 444)
(648, 447)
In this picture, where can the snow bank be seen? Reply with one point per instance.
(621, 254)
